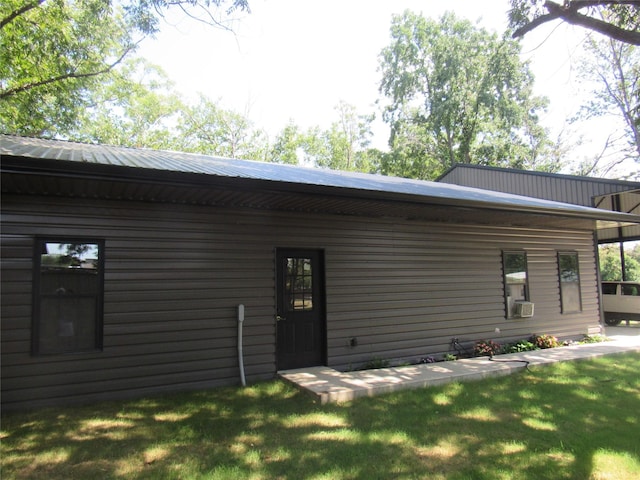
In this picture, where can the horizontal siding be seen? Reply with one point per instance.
(175, 274)
(436, 282)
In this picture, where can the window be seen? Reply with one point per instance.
(569, 272)
(516, 288)
(299, 284)
(630, 289)
(67, 306)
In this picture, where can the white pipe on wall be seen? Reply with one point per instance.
(240, 353)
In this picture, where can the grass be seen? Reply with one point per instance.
(572, 420)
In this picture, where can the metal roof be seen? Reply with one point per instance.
(602, 193)
(574, 189)
(22, 154)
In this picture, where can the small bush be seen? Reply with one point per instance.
(486, 348)
(448, 357)
(521, 346)
(594, 339)
(545, 341)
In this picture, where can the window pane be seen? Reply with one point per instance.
(568, 264)
(69, 297)
(515, 279)
(515, 267)
(299, 284)
(570, 296)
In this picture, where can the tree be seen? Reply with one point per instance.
(612, 70)
(53, 52)
(50, 56)
(610, 265)
(134, 106)
(617, 19)
(458, 94)
(207, 128)
(343, 146)
(286, 146)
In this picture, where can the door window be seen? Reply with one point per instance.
(299, 284)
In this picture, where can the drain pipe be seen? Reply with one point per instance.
(240, 354)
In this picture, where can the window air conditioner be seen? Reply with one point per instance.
(524, 309)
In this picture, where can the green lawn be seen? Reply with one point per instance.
(575, 420)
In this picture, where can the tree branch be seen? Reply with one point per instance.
(16, 13)
(66, 76)
(570, 14)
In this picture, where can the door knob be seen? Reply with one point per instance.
(279, 318)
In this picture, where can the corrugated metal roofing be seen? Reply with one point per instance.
(586, 191)
(285, 176)
(550, 186)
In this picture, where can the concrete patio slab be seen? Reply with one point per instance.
(330, 385)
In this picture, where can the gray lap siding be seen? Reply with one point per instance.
(174, 275)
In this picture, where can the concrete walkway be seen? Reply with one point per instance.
(330, 385)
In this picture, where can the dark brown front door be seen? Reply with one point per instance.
(300, 309)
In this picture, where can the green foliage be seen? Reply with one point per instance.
(617, 20)
(286, 145)
(207, 128)
(520, 346)
(610, 265)
(344, 146)
(50, 58)
(55, 54)
(593, 339)
(486, 348)
(134, 106)
(448, 357)
(545, 341)
(457, 94)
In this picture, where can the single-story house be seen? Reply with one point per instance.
(128, 272)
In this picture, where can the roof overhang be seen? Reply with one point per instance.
(626, 202)
(46, 167)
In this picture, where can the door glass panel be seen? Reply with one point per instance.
(299, 284)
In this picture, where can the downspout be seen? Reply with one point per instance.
(240, 353)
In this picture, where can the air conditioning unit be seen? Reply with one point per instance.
(524, 309)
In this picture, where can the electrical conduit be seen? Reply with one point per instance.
(240, 353)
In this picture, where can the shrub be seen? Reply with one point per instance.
(545, 341)
(448, 357)
(521, 346)
(486, 348)
(594, 339)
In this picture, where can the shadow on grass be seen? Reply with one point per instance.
(574, 420)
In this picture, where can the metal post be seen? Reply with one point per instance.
(617, 206)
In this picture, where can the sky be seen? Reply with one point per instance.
(295, 60)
